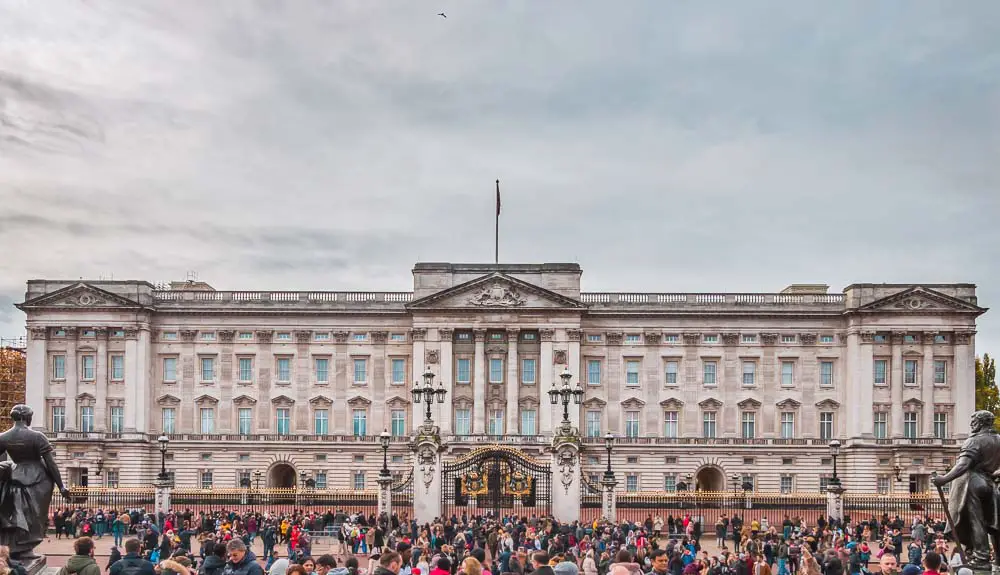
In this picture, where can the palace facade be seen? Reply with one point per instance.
(706, 389)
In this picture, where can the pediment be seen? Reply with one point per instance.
(282, 399)
(168, 399)
(827, 404)
(710, 403)
(81, 296)
(244, 400)
(85, 397)
(527, 402)
(672, 403)
(495, 291)
(320, 400)
(749, 403)
(789, 403)
(397, 401)
(462, 402)
(913, 402)
(358, 400)
(205, 398)
(919, 299)
(594, 402)
(633, 402)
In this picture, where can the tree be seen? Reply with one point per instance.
(987, 394)
(12, 372)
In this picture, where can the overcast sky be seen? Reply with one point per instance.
(665, 146)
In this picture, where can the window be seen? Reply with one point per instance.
(320, 480)
(749, 461)
(881, 368)
(594, 338)
(397, 337)
(528, 371)
(58, 367)
(787, 424)
(463, 370)
(631, 424)
(359, 480)
(463, 424)
(787, 373)
(359, 459)
(711, 339)
(593, 423)
(940, 338)
(396, 458)
(283, 336)
(826, 425)
(397, 421)
(593, 372)
(671, 338)
(940, 425)
(880, 424)
(283, 420)
(708, 424)
(824, 483)
(360, 337)
(826, 373)
(360, 421)
(749, 338)
(58, 418)
(788, 461)
(940, 372)
(788, 339)
(245, 420)
(882, 484)
(748, 425)
(528, 336)
(747, 481)
(322, 365)
(206, 456)
(245, 335)
(670, 483)
(749, 373)
(910, 425)
(496, 422)
(909, 338)
(631, 372)
(117, 367)
(246, 369)
(89, 333)
(170, 335)
(208, 336)
(496, 370)
(879, 338)
(496, 336)
(670, 375)
(321, 336)
(206, 479)
(87, 367)
(207, 368)
(170, 369)
(910, 372)
(360, 371)
(207, 420)
(463, 336)
(826, 339)
(631, 483)
(398, 371)
(86, 419)
(321, 422)
(709, 370)
(117, 419)
(528, 422)
(670, 424)
(787, 484)
(284, 369)
(168, 418)
(633, 338)
(111, 479)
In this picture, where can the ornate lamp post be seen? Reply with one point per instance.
(384, 438)
(735, 478)
(162, 482)
(427, 394)
(834, 452)
(385, 479)
(565, 393)
(609, 441)
(257, 476)
(608, 482)
(163, 440)
(834, 490)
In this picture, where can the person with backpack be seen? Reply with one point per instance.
(82, 562)
(132, 563)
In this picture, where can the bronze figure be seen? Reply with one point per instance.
(27, 479)
(973, 500)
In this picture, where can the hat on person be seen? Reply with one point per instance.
(912, 569)
(403, 546)
(566, 568)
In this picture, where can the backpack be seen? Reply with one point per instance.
(131, 567)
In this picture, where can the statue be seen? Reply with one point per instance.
(27, 479)
(973, 510)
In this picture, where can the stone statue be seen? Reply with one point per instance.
(27, 479)
(973, 500)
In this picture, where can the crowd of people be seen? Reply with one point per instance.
(336, 543)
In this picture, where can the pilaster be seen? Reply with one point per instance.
(897, 384)
(340, 412)
(513, 379)
(446, 335)
(417, 337)
(72, 379)
(964, 382)
(378, 381)
(546, 423)
(37, 376)
(927, 385)
(575, 366)
(479, 380)
(101, 361)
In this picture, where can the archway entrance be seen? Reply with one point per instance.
(710, 479)
(281, 476)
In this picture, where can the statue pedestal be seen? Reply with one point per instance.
(37, 566)
(565, 466)
(385, 496)
(835, 502)
(608, 504)
(427, 474)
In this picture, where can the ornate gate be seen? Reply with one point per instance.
(496, 481)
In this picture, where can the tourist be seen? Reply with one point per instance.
(241, 560)
(132, 563)
(82, 562)
(215, 563)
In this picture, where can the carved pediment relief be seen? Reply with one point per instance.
(206, 399)
(913, 403)
(527, 402)
(710, 403)
(244, 400)
(749, 403)
(495, 291)
(789, 403)
(85, 398)
(828, 404)
(633, 403)
(672, 403)
(397, 401)
(594, 403)
(282, 400)
(320, 400)
(80, 295)
(919, 299)
(168, 399)
(462, 402)
(359, 401)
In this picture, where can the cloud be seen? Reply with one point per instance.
(665, 146)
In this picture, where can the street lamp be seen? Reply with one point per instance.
(565, 392)
(834, 452)
(736, 482)
(257, 476)
(163, 440)
(384, 438)
(609, 441)
(427, 393)
(302, 479)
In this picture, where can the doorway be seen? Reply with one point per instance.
(281, 476)
(709, 479)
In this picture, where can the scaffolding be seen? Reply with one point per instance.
(13, 363)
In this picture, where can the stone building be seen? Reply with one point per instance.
(700, 388)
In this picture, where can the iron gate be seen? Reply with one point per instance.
(496, 481)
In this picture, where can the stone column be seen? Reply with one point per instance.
(866, 376)
(144, 368)
(427, 477)
(835, 502)
(101, 365)
(897, 384)
(131, 384)
(36, 376)
(379, 417)
(963, 383)
(545, 415)
(162, 496)
(652, 381)
(566, 467)
(72, 379)
(576, 366)
(418, 335)
(927, 385)
(447, 376)
(608, 509)
(514, 379)
(479, 383)
(385, 496)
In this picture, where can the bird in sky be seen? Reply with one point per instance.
(441, 14)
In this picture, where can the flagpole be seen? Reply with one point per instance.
(496, 230)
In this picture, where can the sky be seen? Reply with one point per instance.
(665, 146)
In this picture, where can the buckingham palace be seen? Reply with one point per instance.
(701, 388)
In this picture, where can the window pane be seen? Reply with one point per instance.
(496, 370)
(87, 419)
(360, 370)
(463, 369)
(398, 371)
(170, 369)
(787, 425)
(826, 373)
(880, 371)
(940, 372)
(398, 422)
(749, 425)
(167, 420)
(528, 422)
(322, 370)
(246, 369)
(207, 420)
(709, 372)
(826, 425)
(910, 372)
(58, 418)
(749, 372)
(117, 419)
(631, 373)
(787, 373)
(59, 367)
(117, 367)
(245, 420)
(631, 424)
(462, 422)
(496, 422)
(283, 421)
(321, 422)
(670, 424)
(284, 369)
(207, 369)
(593, 372)
(708, 424)
(360, 420)
(528, 371)
(87, 367)
(593, 423)
(671, 373)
